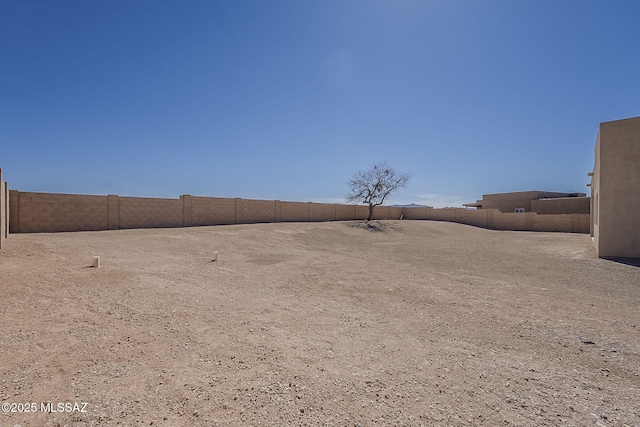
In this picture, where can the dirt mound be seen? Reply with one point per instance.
(406, 323)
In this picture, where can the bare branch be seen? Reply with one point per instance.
(374, 185)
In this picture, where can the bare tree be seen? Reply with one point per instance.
(372, 186)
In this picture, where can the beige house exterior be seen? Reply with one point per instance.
(542, 202)
(615, 190)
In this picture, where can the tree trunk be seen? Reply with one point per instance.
(371, 206)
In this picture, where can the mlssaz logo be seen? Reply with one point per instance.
(49, 407)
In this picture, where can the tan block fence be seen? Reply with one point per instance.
(47, 212)
(4, 211)
(30, 212)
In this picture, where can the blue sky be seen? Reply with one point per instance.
(287, 99)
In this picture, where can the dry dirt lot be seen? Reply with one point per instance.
(415, 323)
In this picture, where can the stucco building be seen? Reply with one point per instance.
(615, 190)
(542, 202)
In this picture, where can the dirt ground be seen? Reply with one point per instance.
(407, 324)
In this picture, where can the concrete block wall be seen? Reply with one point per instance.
(14, 212)
(568, 223)
(380, 212)
(496, 220)
(322, 212)
(387, 212)
(417, 213)
(187, 210)
(346, 212)
(362, 212)
(254, 211)
(395, 213)
(553, 222)
(4, 211)
(445, 214)
(139, 212)
(511, 221)
(291, 211)
(212, 211)
(478, 218)
(581, 223)
(46, 212)
(113, 212)
(7, 214)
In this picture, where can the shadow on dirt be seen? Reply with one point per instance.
(375, 226)
(634, 262)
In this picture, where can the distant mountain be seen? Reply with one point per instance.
(411, 205)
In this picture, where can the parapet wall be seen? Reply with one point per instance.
(562, 205)
(47, 213)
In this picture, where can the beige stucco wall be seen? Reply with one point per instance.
(615, 187)
(508, 202)
(562, 205)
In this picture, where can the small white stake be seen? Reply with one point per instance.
(215, 256)
(96, 262)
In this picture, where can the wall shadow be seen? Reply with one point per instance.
(634, 262)
(376, 226)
